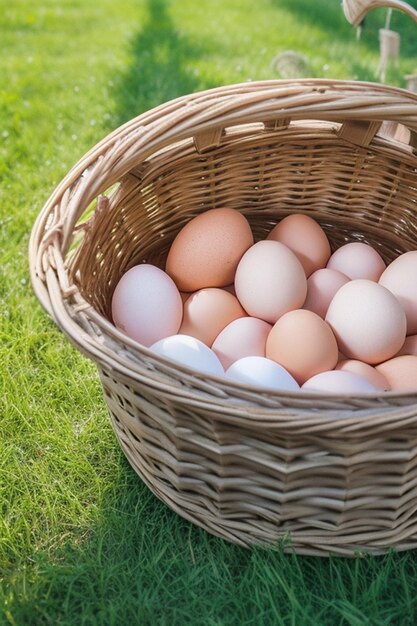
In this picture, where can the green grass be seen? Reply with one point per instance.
(82, 540)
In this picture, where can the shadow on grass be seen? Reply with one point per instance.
(161, 67)
(140, 563)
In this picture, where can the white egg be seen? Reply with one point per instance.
(189, 351)
(339, 381)
(258, 370)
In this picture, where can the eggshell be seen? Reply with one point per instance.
(259, 371)
(189, 351)
(400, 278)
(365, 370)
(303, 343)
(270, 281)
(321, 287)
(305, 237)
(409, 346)
(207, 250)
(339, 381)
(146, 304)
(367, 320)
(207, 312)
(400, 372)
(357, 260)
(242, 337)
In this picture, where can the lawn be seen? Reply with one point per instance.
(82, 540)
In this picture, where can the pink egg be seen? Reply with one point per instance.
(146, 304)
(367, 320)
(357, 260)
(270, 281)
(321, 287)
(400, 278)
(366, 371)
(243, 337)
(338, 381)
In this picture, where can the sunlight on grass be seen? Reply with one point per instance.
(82, 540)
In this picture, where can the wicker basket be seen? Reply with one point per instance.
(356, 10)
(330, 474)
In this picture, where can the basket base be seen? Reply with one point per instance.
(245, 532)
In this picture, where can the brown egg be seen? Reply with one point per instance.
(306, 238)
(367, 320)
(400, 278)
(321, 287)
(303, 343)
(366, 371)
(400, 372)
(206, 252)
(207, 312)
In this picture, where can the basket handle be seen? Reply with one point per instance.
(355, 10)
(361, 133)
(203, 115)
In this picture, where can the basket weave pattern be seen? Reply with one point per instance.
(331, 473)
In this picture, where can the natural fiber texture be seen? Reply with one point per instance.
(356, 10)
(331, 473)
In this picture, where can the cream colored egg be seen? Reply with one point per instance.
(270, 281)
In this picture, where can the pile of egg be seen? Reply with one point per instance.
(283, 313)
